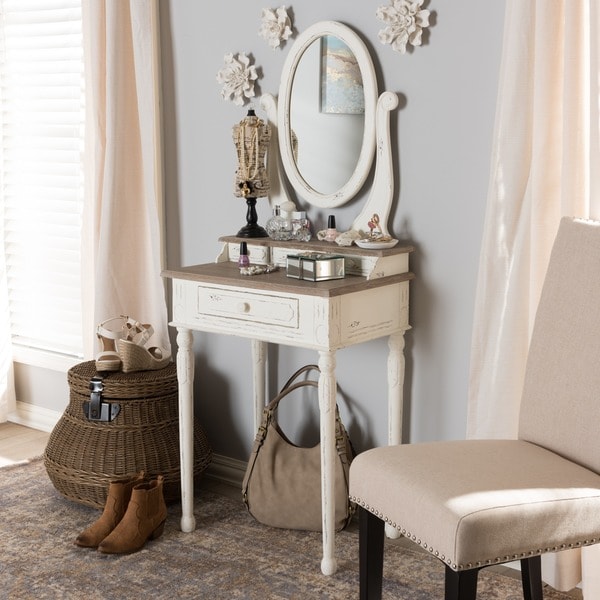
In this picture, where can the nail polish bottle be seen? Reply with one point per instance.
(331, 230)
(244, 259)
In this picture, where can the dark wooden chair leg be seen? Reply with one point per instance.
(531, 576)
(461, 585)
(371, 535)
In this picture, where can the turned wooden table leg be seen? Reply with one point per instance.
(185, 377)
(259, 363)
(327, 402)
(395, 365)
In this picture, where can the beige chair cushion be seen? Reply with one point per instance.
(478, 502)
(560, 408)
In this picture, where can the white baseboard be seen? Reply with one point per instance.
(36, 417)
(226, 470)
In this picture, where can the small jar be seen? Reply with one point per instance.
(300, 226)
(278, 227)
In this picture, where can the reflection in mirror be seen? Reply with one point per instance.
(327, 114)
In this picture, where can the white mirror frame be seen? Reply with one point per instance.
(365, 159)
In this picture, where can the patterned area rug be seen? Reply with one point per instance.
(228, 556)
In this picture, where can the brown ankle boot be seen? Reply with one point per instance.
(144, 520)
(117, 500)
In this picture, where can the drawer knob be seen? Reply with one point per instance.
(244, 307)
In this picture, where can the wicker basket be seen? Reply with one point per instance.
(83, 456)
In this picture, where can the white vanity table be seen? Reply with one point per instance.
(273, 308)
(370, 302)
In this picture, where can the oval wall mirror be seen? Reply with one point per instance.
(326, 114)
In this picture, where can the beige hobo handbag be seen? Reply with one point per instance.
(282, 484)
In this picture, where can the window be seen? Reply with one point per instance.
(41, 172)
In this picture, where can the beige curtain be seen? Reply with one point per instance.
(7, 388)
(123, 220)
(545, 164)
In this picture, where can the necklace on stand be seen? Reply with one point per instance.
(249, 136)
(248, 157)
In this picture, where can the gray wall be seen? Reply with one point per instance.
(442, 137)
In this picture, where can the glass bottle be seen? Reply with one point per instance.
(331, 230)
(300, 226)
(278, 228)
(244, 259)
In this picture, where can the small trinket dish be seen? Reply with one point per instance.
(376, 244)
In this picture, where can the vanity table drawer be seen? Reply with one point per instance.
(255, 308)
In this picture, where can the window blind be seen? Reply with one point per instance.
(41, 169)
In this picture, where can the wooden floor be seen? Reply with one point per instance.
(19, 443)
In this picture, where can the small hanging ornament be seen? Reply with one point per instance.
(275, 26)
(405, 21)
(238, 77)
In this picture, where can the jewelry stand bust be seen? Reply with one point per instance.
(251, 137)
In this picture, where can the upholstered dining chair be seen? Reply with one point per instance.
(474, 503)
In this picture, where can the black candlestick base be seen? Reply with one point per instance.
(252, 229)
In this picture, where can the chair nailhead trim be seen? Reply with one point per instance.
(490, 561)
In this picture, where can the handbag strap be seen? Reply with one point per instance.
(288, 389)
(304, 369)
(340, 432)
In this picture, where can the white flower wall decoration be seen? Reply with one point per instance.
(238, 77)
(275, 26)
(405, 21)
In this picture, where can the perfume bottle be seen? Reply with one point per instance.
(300, 226)
(244, 259)
(278, 227)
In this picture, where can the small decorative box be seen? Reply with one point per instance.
(315, 266)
